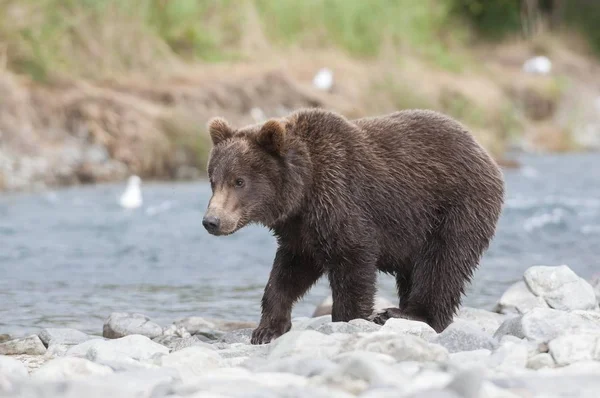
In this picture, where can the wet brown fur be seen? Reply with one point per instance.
(410, 193)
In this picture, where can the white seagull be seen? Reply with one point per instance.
(132, 197)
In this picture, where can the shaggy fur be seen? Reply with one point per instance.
(411, 194)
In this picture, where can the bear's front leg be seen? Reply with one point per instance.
(291, 277)
(353, 285)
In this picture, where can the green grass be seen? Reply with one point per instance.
(100, 38)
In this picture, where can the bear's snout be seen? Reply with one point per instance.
(211, 223)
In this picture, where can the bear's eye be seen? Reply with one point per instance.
(239, 182)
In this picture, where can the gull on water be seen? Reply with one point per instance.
(132, 197)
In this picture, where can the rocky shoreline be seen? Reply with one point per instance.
(542, 340)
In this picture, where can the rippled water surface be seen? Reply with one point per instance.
(70, 257)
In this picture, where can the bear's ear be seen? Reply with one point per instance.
(271, 137)
(219, 130)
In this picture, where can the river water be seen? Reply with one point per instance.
(69, 258)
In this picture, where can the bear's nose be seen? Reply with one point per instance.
(211, 223)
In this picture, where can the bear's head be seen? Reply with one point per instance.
(258, 174)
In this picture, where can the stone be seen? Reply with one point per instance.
(120, 324)
(129, 348)
(310, 323)
(4, 338)
(324, 308)
(175, 331)
(237, 336)
(509, 357)
(464, 336)
(518, 299)
(174, 343)
(405, 326)
(12, 368)
(364, 325)
(302, 365)
(211, 328)
(488, 321)
(561, 288)
(401, 347)
(575, 347)
(470, 359)
(30, 345)
(595, 282)
(65, 336)
(541, 360)
(337, 327)
(302, 342)
(245, 350)
(541, 385)
(192, 362)
(545, 324)
(69, 368)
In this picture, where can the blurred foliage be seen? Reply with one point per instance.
(495, 19)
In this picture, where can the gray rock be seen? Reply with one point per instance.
(310, 323)
(11, 367)
(192, 362)
(561, 288)
(69, 368)
(174, 343)
(245, 350)
(488, 321)
(302, 365)
(405, 326)
(324, 308)
(63, 336)
(304, 342)
(212, 328)
(545, 324)
(337, 327)
(365, 326)
(237, 336)
(539, 361)
(125, 349)
(4, 338)
(401, 347)
(518, 299)
(120, 324)
(575, 347)
(31, 345)
(464, 336)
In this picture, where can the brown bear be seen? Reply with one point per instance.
(410, 194)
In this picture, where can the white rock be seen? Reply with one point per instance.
(30, 345)
(323, 80)
(174, 330)
(310, 323)
(464, 336)
(561, 288)
(364, 325)
(401, 347)
(470, 359)
(575, 347)
(120, 324)
(539, 361)
(545, 324)
(518, 299)
(192, 362)
(509, 357)
(174, 343)
(65, 336)
(337, 327)
(538, 65)
(405, 326)
(299, 342)
(11, 367)
(128, 348)
(595, 282)
(488, 321)
(302, 365)
(69, 368)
